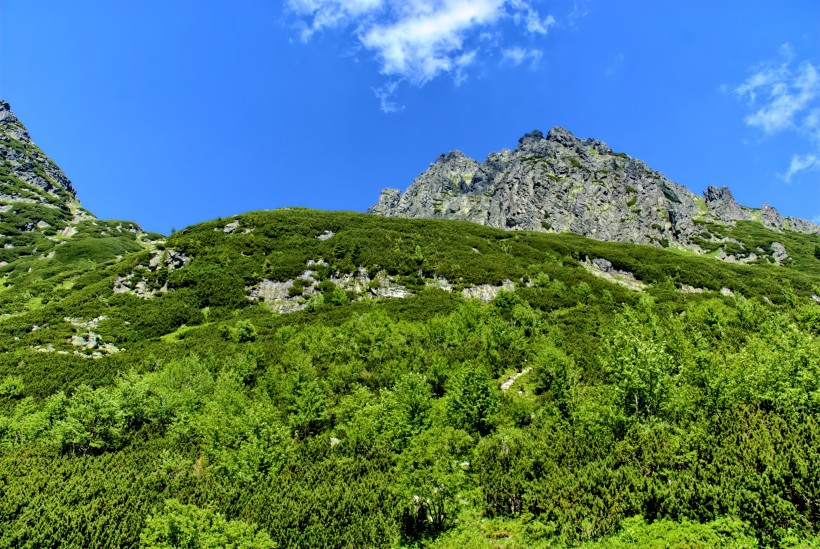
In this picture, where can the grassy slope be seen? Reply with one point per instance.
(204, 313)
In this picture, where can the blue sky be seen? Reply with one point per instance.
(171, 112)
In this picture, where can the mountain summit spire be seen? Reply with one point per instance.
(561, 183)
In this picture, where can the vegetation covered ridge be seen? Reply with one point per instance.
(298, 378)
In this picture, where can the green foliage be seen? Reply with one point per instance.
(363, 422)
(433, 473)
(307, 409)
(94, 420)
(554, 374)
(408, 408)
(505, 466)
(11, 386)
(641, 370)
(472, 400)
(97, 250)
(243, 332)
(187, 526)
(636, 532)
(338, 296)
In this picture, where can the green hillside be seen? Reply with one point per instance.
(300, 378)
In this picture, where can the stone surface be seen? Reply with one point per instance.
(561, 183)
(779, 252)
(487, 292)
(509, 383)
(603, 268)
(26, 163)
(722, 206)
(771, 218)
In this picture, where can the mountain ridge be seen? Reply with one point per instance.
(419, 382)
(561, 183)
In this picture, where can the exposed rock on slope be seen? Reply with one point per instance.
(562, 183)
(36, 197)
(23, 162)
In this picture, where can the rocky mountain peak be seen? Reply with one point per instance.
(6, 116)
(25, 167)
(722, 205)
(450, 157)
(561, 135)
(38, 203)
(562, 183)
(534, 137)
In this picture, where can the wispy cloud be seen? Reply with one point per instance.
(801, 163)
(615, 65)
(784, 97)
(518, 55)
(580, 10)
(416, 41)
(529, 17)
(386, 96)
(424, 43)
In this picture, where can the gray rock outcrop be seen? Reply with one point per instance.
(560, 183)
(34, 187)
(771, 218)
(722, 205)
(23, 161)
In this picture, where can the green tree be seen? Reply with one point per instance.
(472, 399)
(505, 465)
(94, 420)
(307, 409)
(636, 360)
(187, 526)
(431, 475)
(244, 332)
(11, 386)
(554, 375)
(407, 408)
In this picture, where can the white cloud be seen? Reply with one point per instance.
(518, 55)
(416, 41)
(578, 12)
(331, 13)
(801, 163)
(425, 43)
(782, 98)
(385, 94)
(526, 15)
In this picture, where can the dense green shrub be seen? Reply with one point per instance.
(634, 417)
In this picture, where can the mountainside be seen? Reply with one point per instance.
(564, 184)
(38, 203)
(46, 237)
(302, 378)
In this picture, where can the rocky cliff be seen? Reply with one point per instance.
(38, 203)
(560, 183)
(26, 173)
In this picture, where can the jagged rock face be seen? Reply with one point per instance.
(27, 173)
(771, 218)
(722, 206)
(38, 204)
(562, 183)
